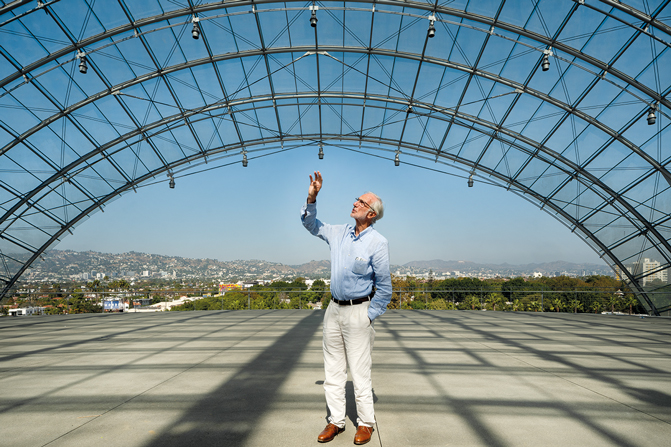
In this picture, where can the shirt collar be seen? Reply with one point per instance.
(366, 231)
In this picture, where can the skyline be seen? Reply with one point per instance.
(234, 213)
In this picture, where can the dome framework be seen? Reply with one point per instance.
(564, 103)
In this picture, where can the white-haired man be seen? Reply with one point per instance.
(360, 292)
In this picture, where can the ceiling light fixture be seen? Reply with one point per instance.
(651, 117)
(83, 68)
(195, 32)
(545, 64)
(432, 28)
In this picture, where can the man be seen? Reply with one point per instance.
(360, 291)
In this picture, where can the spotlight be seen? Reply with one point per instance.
(396, 160)
(321, 153)
(195, 32)
(313, 19)
(172, 183)
(83, 68)
(651, 116)
(545, 64)
(470, 181)
(244, 160)
(432, 30)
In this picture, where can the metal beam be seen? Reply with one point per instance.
(427, 7)
(566, 165)
(392, 144)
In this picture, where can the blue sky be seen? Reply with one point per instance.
(253, 213)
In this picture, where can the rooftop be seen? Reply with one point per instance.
(252, 378)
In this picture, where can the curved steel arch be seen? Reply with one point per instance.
(497, 133)
(96, 175)
(600, 65)
(118, 89)
(115, 90)
(573, 168)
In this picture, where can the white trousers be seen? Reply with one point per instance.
(348, 340)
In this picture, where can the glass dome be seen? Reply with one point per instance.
(564, 103)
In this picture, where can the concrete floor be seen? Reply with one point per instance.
(253, 378)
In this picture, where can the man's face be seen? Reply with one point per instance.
(361, 207)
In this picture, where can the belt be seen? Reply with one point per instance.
(353, 302)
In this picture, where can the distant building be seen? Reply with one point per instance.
(115, 306)
(640, 268)
(644, 267)
(26, 311)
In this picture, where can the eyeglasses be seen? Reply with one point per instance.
(361, 202)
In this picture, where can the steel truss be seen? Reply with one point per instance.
(610, 205)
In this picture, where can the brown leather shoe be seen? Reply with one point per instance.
(330, 432)
(363, 434)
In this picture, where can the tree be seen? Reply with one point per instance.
(472, 301)
(438, 304)
(318, 286)
(613, 301)
(510, 289)
(631, 301)
(535, 306)
(299, 284)
(494, 300)
(575, 304)
(418, 304)
(557, 304)
(595, 306)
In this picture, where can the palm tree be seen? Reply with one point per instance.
(631, 301)
(493, 300)
(596, 306)
(575, 304)
(558, 304)
(472, 301)
(613, 300)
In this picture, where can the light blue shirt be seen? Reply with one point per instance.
(357, 262)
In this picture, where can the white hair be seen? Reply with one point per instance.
(377, 206)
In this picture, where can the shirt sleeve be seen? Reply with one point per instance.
(315, 226)
(382, 297)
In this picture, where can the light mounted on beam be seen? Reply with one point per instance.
(545, 64)
(83, 68)
(195, 32)
(652, 118)
(432, 29)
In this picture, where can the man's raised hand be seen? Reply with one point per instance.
(315, 186)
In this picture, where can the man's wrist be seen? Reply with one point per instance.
(312, 199)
